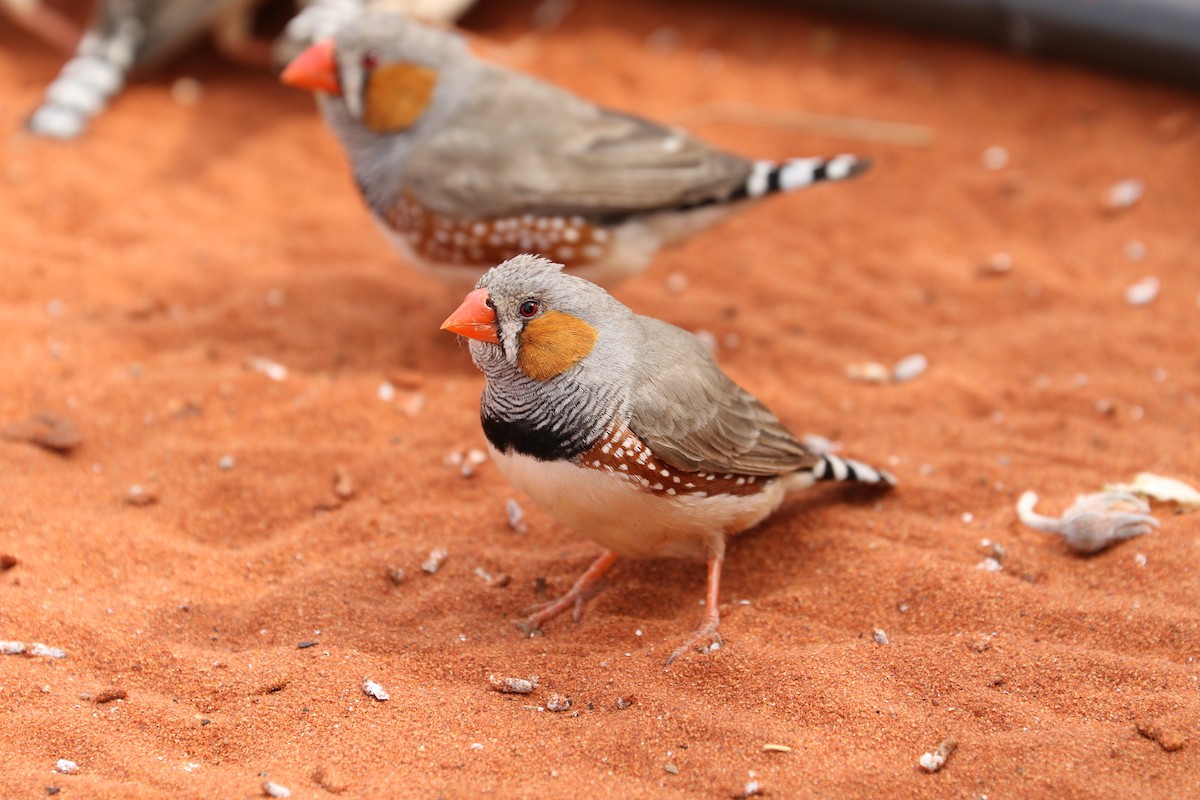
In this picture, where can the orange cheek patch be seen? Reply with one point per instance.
(397, 96)
(553, 343)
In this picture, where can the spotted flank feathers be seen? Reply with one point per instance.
(623, 453)
(460, 240)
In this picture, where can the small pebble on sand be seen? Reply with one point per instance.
(272, 789)
(272, 369)
(879, 636)
(1123, 194)
(7, 562)
(436, 558)
(510, 685)
(46, 651)
(386, 392)
(226, 463)
(516, 516)
(140, 496)
(375, 690)
(557, 702)
(932, 762)
(909, 367)
(1143, 292)
(868, 372)
(66, 766)
(995, 157)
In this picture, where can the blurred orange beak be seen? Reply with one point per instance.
(474, 319)
(314, 70)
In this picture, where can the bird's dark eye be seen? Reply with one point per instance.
(371, 59)
(529, 308)
(490, 304)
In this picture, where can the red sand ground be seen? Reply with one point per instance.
(147, 265)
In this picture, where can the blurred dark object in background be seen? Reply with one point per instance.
(1152, 38)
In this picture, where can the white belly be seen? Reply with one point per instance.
(619, 514)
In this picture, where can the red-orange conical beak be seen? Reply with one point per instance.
(314, 69)
(474, 318)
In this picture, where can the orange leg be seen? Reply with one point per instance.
(584, 588)
(707, 632)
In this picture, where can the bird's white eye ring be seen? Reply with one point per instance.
(529, 308)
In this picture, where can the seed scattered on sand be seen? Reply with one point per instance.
(1143, 292)
(1123, 194)
(51, 431)
(983, 643)
(12, 648)
(557, 702)
(751, 789)
(186, 91)
(511, 685)
(386, 392)
(1161, 488)
(999, 263)
(140, 496)
(783, 748)
(375, 690)
(272, 369)
(226, 463)
(495, 581)
(1139, 559)
(932, 762)
(670, 768)
(66, 766)
(990, 564)
(46, 651)
(1094, 521)
(677, 282)
(1168, 738)
(1135, 250)
(396, 576)
(879, 636)
(273, 789)
(109, 695)
(909, 367)
(476, 746)
(343, 484)
(436, 558)
(306, 645)
(624, 702)
(516, 516)
(995, 158)
(868, 372)
(7, 562)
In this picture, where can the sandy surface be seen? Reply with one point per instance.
(148, 266)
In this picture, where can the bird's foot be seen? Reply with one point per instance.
(586, 586)
(704, 640)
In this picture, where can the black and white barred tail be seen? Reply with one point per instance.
(832, 468)
(769, 177)
(86, 83)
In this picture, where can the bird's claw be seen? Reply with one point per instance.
(705, 640)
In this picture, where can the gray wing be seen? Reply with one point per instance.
(696, 419)
(525, 146)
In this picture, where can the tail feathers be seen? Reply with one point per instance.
(86, 83)
(769, 177)
(832, 468)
